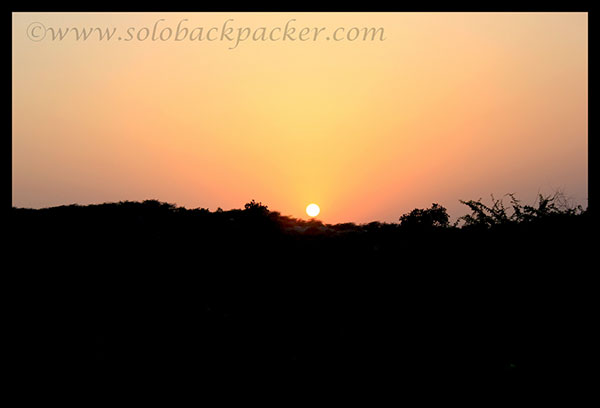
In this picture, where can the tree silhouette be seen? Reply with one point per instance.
(256, 208)
(436, 216)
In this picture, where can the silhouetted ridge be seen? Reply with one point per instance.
(145, 286)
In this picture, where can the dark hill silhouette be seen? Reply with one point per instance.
(135, 287)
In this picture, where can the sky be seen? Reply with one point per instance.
(438, 107)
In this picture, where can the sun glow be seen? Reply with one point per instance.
(472, 104)
(313, 210)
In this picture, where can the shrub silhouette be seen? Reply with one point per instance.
(483, 216)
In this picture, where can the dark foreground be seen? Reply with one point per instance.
(132, 290)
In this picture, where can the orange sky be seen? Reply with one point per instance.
(449, 106)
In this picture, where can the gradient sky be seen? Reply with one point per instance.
(449, 106)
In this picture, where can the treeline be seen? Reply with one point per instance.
(547, 209)
(145, 286)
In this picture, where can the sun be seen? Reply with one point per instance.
(313, 210)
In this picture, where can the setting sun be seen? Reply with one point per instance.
(313, 210)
